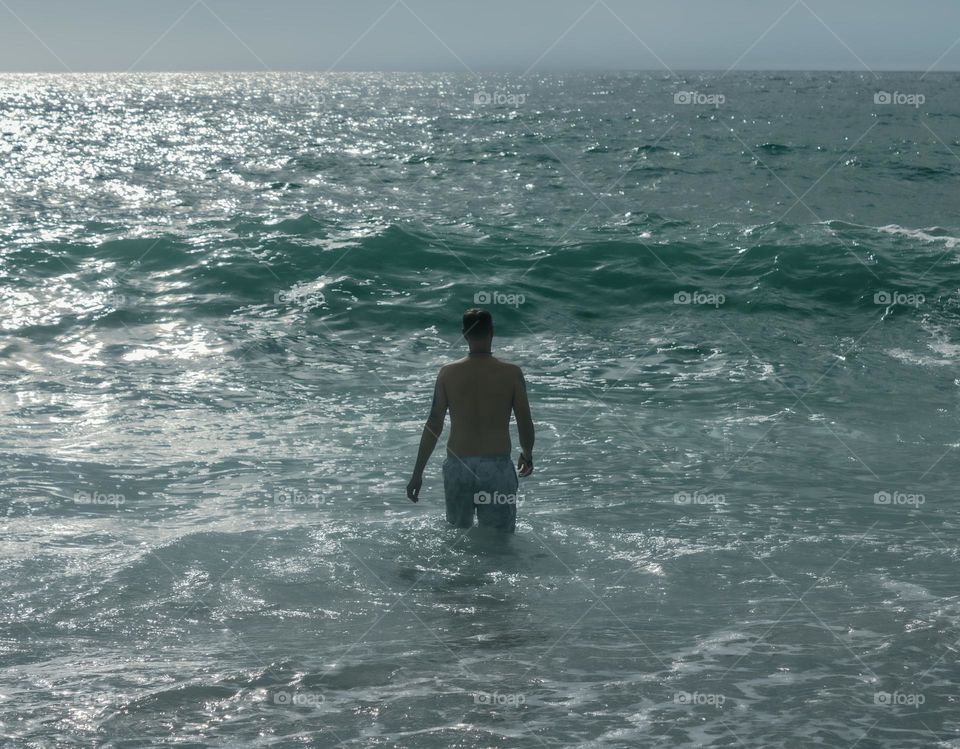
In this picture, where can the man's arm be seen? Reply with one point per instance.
(429, 437)
(521, 412)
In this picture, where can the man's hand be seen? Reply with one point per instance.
(413, 488)
(524, 465)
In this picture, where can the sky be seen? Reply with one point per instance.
(493, 35)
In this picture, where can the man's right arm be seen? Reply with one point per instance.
(429, 436)
(521, 412)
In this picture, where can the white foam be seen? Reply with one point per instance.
(909, 357)
(922, 234)
(907, 591)
(902, 231)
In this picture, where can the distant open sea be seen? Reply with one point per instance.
(224, 299)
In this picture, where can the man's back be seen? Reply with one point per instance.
(480, 392)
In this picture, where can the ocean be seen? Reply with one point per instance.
(224, 301)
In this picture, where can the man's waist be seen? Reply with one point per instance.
(490, 456)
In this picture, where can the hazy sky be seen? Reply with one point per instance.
(457, 35)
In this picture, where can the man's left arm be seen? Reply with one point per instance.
(428, 439)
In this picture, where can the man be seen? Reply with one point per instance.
(480, 391)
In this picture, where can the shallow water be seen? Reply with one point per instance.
(224, 300)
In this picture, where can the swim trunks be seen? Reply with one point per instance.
(485, 484)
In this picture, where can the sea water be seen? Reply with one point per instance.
(224, 301)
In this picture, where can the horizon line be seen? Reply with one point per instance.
(489, 71)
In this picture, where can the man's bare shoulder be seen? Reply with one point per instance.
(453, 366)
(509, 372)
(452, 369)
(510, 367)
(467, 364)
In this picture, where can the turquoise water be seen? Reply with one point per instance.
(224, 300)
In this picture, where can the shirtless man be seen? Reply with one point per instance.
(480, 391)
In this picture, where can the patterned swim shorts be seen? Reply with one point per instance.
(485, 484)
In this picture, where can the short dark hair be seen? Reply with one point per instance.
(477, 323)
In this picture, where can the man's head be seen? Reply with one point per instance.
(478, 328)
